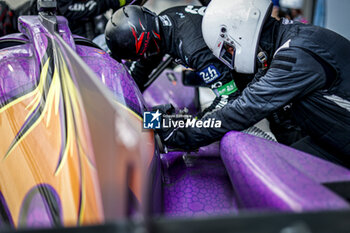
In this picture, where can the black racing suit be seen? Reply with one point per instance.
(309, 70)
(181, 38)
(84, 16)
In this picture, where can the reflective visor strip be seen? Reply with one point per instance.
(225, 56)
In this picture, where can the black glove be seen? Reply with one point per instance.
(165, 109)
(169, 136)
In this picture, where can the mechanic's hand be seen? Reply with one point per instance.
(165, 109)
(174, 139)
(218, 103)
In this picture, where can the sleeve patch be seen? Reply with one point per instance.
(282, 67)
(285, 58)
(209, 74)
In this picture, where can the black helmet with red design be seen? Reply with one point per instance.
(7, 20)
(133, 33)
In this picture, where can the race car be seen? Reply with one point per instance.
(75, 151)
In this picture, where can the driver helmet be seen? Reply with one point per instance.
(133, 33)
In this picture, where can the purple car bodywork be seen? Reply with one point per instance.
(263, 175)
(240, 173)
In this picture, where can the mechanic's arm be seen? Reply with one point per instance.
(287, 79)
(140, 70)
(74, 10)
(210, 69)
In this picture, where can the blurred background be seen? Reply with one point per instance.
(155, 5)
(331, 14)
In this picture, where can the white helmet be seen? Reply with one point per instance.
(293, 4)
(238, 24)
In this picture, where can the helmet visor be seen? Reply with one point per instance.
(227, 54)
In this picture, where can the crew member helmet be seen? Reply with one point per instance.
(237, 25)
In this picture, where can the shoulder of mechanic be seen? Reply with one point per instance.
(291, 68)
(166, 17)
(205, 58)
(293, 59)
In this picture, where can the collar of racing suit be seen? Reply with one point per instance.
(164, 35)
(268, 39)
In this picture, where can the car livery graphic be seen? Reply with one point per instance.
(74, 151)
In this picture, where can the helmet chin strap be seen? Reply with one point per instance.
(262, 59)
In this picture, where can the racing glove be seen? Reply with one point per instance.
(166, 109)
(167, 135)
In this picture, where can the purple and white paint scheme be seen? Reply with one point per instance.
(238, 174)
